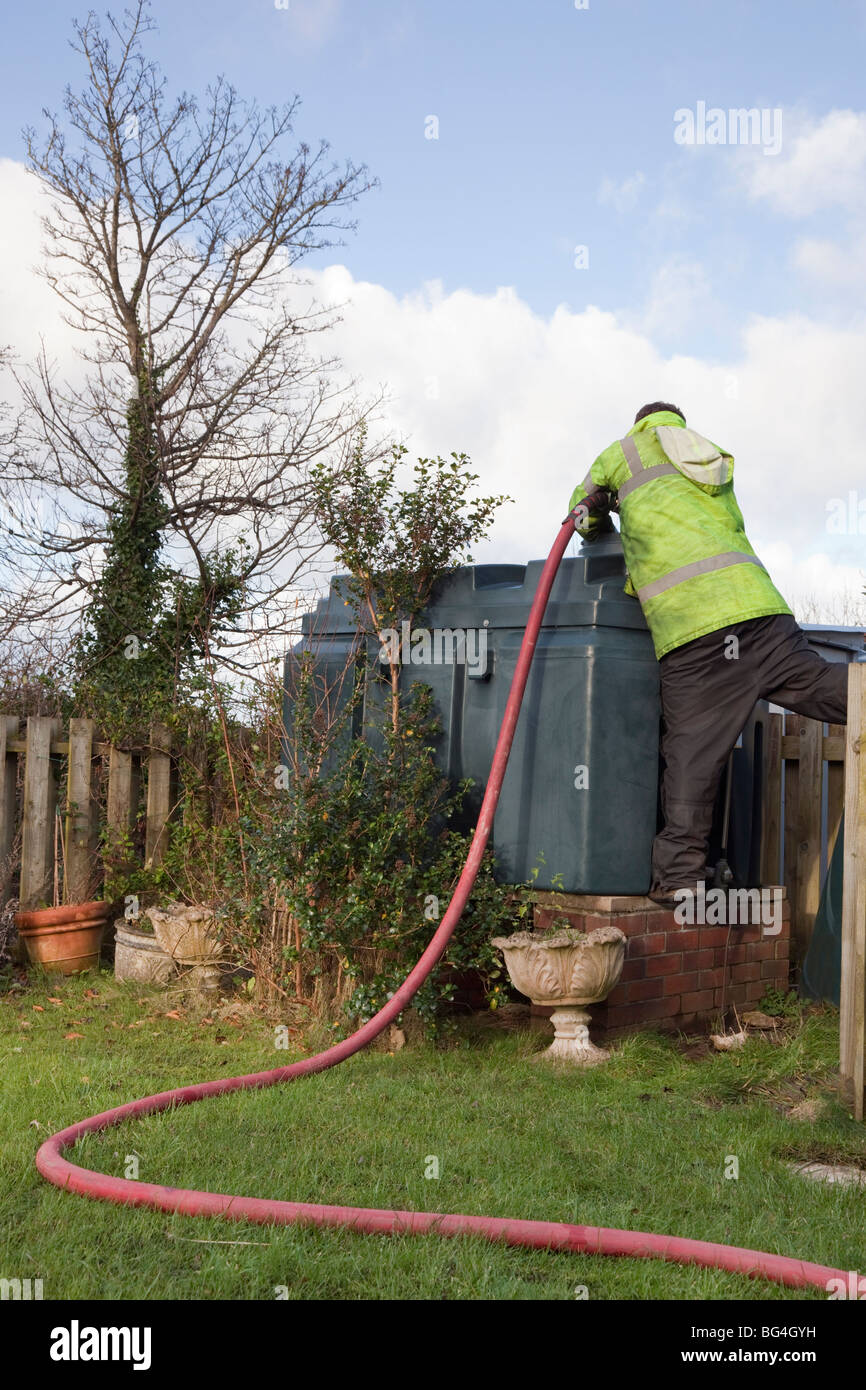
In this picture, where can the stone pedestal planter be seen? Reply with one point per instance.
(139, 956)
(566, 969)
(188, 934)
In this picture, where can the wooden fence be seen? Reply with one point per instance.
(852, 1027)
(802, 799)
(808, 778)
(93, 785)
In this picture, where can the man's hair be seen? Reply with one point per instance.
(658, 405)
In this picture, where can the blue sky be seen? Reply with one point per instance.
(538, 105)
(725, 278)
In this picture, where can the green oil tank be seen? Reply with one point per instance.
(578, 808)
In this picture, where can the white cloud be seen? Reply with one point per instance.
(311, 21)
(840, 266)
(622, 196)
(28, 306)
(822, 165)
(534, 399)
(679, 297)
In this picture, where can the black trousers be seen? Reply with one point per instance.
(709, 688)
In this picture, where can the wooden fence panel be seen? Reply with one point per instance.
(834, 744)
(791, 814)
(78, 879)
(119, 807)
(771, 803)
(810, 770)
(40, 801)
(8, 802)
(158, 795)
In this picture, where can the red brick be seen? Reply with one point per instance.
(763, 950)
(664, 965)
(697, 1002)
(699, 960)
(644, 989)
(774, 970)
(755, 990)
(713, 936)
(783, 949)
(749, 970)
(632, 970)
(675, 984)
(651, 945)
(710, 979)
(736, 953)
(662, 919)
(685, 939)
(660, 1008)
(623, 1014)
(617, 995)
(748, 930)
(545, 917)
(593, 920)
(633, 924)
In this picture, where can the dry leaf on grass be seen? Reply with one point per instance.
(727, 1042)
(73, 1035)
(755, 1019)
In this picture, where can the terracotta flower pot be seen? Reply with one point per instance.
(64, 940)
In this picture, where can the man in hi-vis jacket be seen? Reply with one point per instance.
(723, 634)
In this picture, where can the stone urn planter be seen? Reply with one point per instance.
(568, 969)
(188, 934)
(64, 940)
(139, 956)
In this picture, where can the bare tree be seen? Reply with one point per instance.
(847, 608)
(173, 232)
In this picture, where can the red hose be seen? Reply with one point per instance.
(546, 1235)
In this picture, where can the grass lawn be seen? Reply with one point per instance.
(641, 1143)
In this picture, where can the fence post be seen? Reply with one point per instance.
(40, 801)
(808, 864)
(793, 724)
(771, 801)
(8, 788)
(852, 1023)
(835, 789)
(158, 794)
(78, 883)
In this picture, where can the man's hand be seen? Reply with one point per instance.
(591, 516)
(603, 527)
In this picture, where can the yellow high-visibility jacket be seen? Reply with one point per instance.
(689, 561)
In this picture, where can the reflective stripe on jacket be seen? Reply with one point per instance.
(689, 561)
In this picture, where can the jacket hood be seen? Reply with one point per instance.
(658, 417)
(697, 458)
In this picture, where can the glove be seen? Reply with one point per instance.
(603, 527)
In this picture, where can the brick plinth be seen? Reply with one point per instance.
(675, 977)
